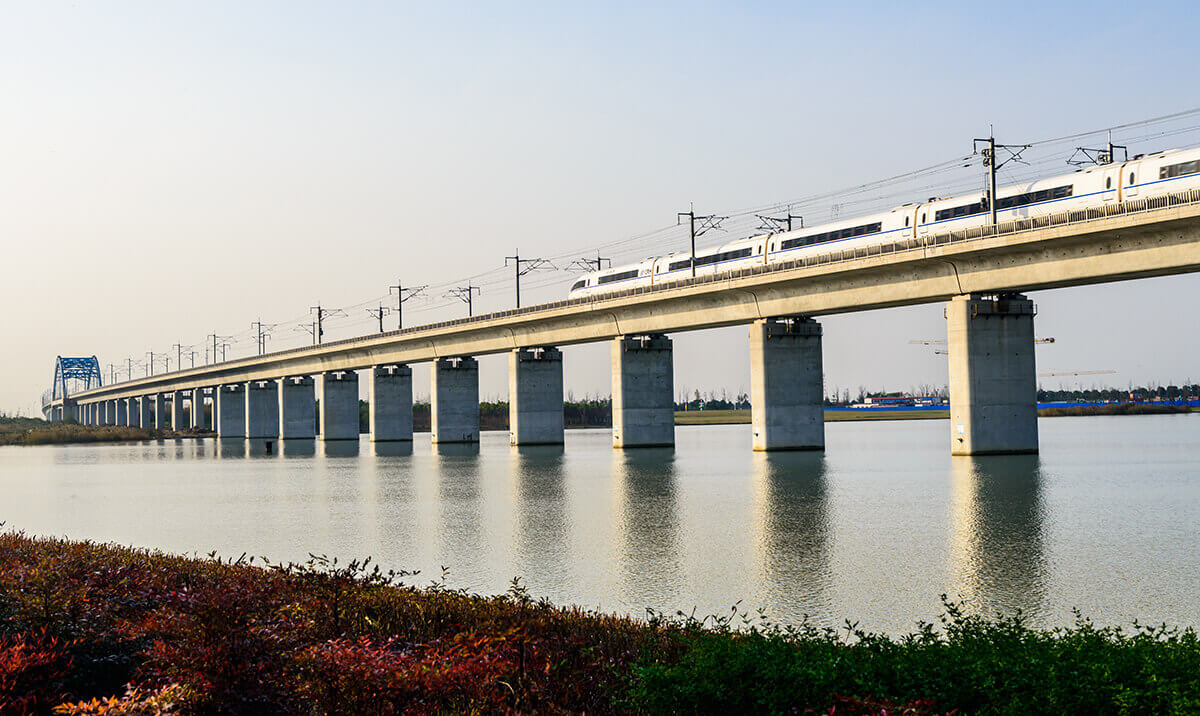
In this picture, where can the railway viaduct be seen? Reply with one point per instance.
(979, 273)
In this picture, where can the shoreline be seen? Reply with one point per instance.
(837, 415)
(71, 434)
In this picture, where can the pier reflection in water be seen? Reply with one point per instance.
(792, 524)
(542, 530)
(647, 515)
(997, 544)
(1106, 519)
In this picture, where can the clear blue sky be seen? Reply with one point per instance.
(172, 169)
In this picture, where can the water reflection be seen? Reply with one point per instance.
(298, 448)
(647, 509)
(461, 508)
(457, 449)
(392, 448)
(231, 448)
(997, 524)
(262, 447)
(542, 525)
(794, 532)
(339, 448)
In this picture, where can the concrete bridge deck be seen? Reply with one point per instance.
(1135, 239)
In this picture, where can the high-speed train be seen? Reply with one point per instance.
(1146, 175)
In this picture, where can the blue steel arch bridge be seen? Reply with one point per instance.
(71, 375)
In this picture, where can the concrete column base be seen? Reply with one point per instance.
(787, 389)
(229, 411)
(389, 393)
(454, 413)
(993, 375)
(643, 403)
(535, 396)
(339, 405)
(262, 409)
(297, 408)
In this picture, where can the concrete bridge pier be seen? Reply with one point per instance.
(339, 405)
(993, 378)
(262, 409)
(297, 408)
(133, 407)
(159, 405)
(121, 412)
(787, 389)
(109, 412)
(200, 420)
(178, 422)
(535, 396)
(93, 413)
(389, 393)
(229, 411)
(643, 402)
(454, 413)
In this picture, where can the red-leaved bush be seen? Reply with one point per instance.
(104, 629)
(31, 666)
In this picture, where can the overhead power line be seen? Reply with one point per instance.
(464, 294)
(523, 266)
(944, 178)
(403, 295)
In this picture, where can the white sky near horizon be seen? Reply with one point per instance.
(169, 170)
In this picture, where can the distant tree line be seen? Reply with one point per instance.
(1121, 395)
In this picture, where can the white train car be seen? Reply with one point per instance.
(1144, 176)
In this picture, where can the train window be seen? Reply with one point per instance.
(832, 235)
(965, 210)
(1178, 170)
(1108, 183)
(906, 221)
(1130, 177)
(618, 276)
(922, 218)
(579, 284)
(1035, 197)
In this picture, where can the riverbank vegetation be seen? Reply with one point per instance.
(101, 629)
(30, 431)
(1114, 409)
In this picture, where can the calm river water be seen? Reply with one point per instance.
(1106, 519)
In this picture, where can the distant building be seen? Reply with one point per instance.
(901, 401)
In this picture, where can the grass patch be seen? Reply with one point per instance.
(65, 433)
(88, 628)
(712, 417)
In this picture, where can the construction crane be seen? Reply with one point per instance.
(942, 342)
